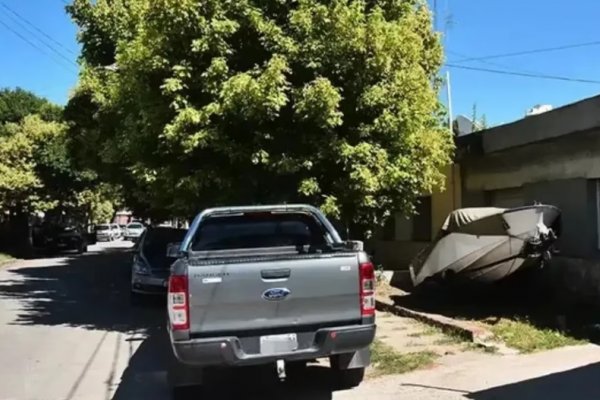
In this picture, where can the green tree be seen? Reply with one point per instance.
(16, 104)
(190, 103)
(21, 144)
(38, 172)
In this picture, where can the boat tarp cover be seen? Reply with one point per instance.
(481, 237)
(465, 216)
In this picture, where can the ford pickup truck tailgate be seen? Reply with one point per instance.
(265, 292)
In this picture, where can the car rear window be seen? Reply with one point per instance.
(134, 226)
(102, 227)
(156, 240)
(257, 230)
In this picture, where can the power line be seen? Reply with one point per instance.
(51, 47)
(495, 64)
(38, 29)
(35, 46)
(533, 51)
(523, 74)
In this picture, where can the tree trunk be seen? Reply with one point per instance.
(20, 234)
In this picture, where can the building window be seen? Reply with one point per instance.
(421, 231)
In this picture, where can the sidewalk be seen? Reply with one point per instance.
(565, 373)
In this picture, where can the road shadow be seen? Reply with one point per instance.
(577, 384)
(89, 291)
(145, 379)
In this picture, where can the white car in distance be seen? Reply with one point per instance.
(133, 231)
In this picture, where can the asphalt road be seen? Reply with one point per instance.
(67, 332)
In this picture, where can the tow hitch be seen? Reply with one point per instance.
(281, 369)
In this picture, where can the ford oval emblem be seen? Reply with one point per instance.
(276, 294)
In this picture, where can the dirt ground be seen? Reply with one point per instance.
(406, 335)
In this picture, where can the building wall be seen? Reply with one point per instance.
(448, 200)
(563, 171)
(561, 122)
(579, 222)
(568, 157)
(397, 253)
(560, 172)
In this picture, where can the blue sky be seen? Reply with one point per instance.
(478, 28)
(487, 27)
(43, 72)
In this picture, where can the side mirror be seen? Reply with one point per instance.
(173, 250)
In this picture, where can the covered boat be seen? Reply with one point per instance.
(488, 244)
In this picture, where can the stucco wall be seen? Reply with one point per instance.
(581, 116)
(559, 172)
(397, 254)
(446, 201)
(573, 156)
(577, 201)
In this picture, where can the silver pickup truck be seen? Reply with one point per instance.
(269, 284)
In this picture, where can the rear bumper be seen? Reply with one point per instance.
(228, 351)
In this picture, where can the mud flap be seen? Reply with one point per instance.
(179, 374)
(358, 359)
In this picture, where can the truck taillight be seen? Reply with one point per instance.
(178, 302)
(367, 289)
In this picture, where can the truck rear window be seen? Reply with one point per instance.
(256, 230)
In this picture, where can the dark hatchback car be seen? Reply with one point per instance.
(150, 269)
(53, 238)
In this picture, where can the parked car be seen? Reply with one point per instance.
(117, 233)
(150, 269)
(268, 284)
(104, 233)
(57, 238)
(133, 231)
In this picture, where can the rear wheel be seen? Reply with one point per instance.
(184, 381)
(184, 392)
(348, 378)
(136, 299)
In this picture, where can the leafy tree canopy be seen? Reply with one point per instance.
(16, 104)
(192, 103)
(21, 145)
(37, 170)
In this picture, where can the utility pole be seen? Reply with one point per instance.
(435, 15)
(449, 97)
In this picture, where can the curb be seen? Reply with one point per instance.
(463, 329)
(7, 263)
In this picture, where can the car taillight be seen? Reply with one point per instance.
(367, 289)
(178, 302)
